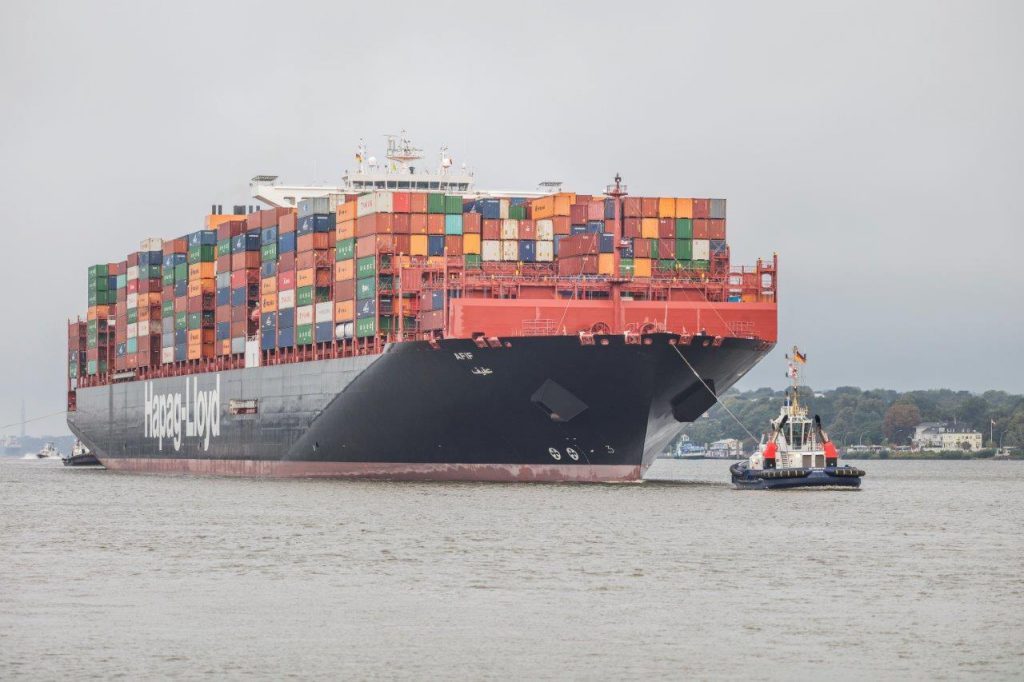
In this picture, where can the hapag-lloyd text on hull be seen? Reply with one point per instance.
(198, 411)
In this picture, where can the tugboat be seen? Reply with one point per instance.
(80, 456)
(48, 451)
(796, 453)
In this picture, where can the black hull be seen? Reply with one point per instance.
(537, 408)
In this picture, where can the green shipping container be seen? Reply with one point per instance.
(96, 271)
(101, 284)
(180, 321)
(167, 309)
(517, 212)
(453, 224)
(366, 326)
(684, 249)
(626, 266)
(387, 323)
(366, 288)
(133, 315)
(224, 247)
(92, 326)
(73, 370)
(345, 249)
(366, 266)
(304, 335)
(268, 252)
(385, 283)
(122, 281)
(181, 272)
(304, 296)
(93, 299)
(168, 277)
(684, 228)
(194, 320)
(473, 260)
(453, 205)
(132, 346)
(666, 265)
(435, 203)
(684, 264)
(204, 253)
(321, 294)
(701, 264)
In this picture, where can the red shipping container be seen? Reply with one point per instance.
(268, 217)
(716, 229)
(577, 265)
(375, 223)
(239, 328)
(240, 313)
(133, 259)
(666, 248)
(287, 223)
(418, 223)
(223, 263)
(180, 304)
(527, 229)
(345, 290)
(700, 228)
(223, 313)
(402, 243)
(471, 223)
(632, 207)
(133, 286)
(418, 202)
(229, 229)
(401, 223)
(118, 268)
(491, 229)
(649, 207)
(578, 245)
(641, 248)
(595, 210)
(286, 280)
(239, 278)
(286, 261)
(453, 243)
(312, 241)
(254, 221)
(701, 209)
(667, 228)
(578, 214)
(401, 202)
(562, 224)
(631, 228)
(435, 223)
(245, 260)
(305, 260)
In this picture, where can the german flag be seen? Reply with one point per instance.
(799, 357)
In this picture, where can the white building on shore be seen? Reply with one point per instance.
(942, 436)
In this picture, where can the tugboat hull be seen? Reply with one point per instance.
(744, 478)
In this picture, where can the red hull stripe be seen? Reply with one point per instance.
(395, 471)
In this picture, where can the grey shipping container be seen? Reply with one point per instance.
(717, 209)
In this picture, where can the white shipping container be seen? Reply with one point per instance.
(223, 280)
(374, 202)
(510, 229)
(151, 244)
(503, 208)
(167, 355)
(701, 249)
(143, 327)
(545, 229)
(304, 314)
(491, 250)
(133, 272)
(286, 299)
(133, 301)
(510, 250)
(133, 330)
(343, 330)
(545, 251)
(324, 312)
(238, 345)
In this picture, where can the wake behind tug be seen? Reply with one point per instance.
(797, 453)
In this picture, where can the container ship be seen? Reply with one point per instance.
(406, 325)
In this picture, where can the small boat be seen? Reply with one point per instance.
(80, 456)
(48, 451)
(796, 453)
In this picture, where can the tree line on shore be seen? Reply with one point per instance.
(853, 416)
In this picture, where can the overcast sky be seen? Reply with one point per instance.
(878, 147)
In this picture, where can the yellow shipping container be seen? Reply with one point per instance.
(418, 245)
(642, 267)
(544, 207)
(214, 221)
(666, 207)
(344, 311)
(471, 243)
(268, 303)
(649, 228)
(563, 203)
(343, 270)
(684, 208)
(305, 277)
(606, 263)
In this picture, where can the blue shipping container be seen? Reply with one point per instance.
(606, 243)
(286, 242)
(181, 352)
(324, 332)
(238, 297)
(595, 226)
(203, 238)
(268, 321)
(578, 229)
(366, 308)
(609, 209)
(285, 338)
(223, 330)
(286, 318)
(180, 337)
(172, 259)
(717, 245)
(268, 338)
(315, 223)
(489, 208)
(268, 269)
(435, 245)
(224, 296)
(527, 250)
(180, 289)
(268, 235)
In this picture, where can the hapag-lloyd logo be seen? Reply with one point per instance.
(199, 411)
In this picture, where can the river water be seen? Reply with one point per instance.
(920, 574)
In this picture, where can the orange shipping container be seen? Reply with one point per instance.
(684, 208)
(606, 264)
(418, 202)
(212, 221)
(471, 243)
(418, 245)
(198, 336)
(344, 311)
(343, 269)
(268, 285)
(418, 223)
(245, 260)
(435, 223)
(305, 278)
(649, 228)
(199, 351)
(563, 203)
(346, 212)
(346, 229)
(666, 207)
(542, 207)
(200, 271)
(315, 240)
(642, 267)
(268, 303)
(199, 287)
